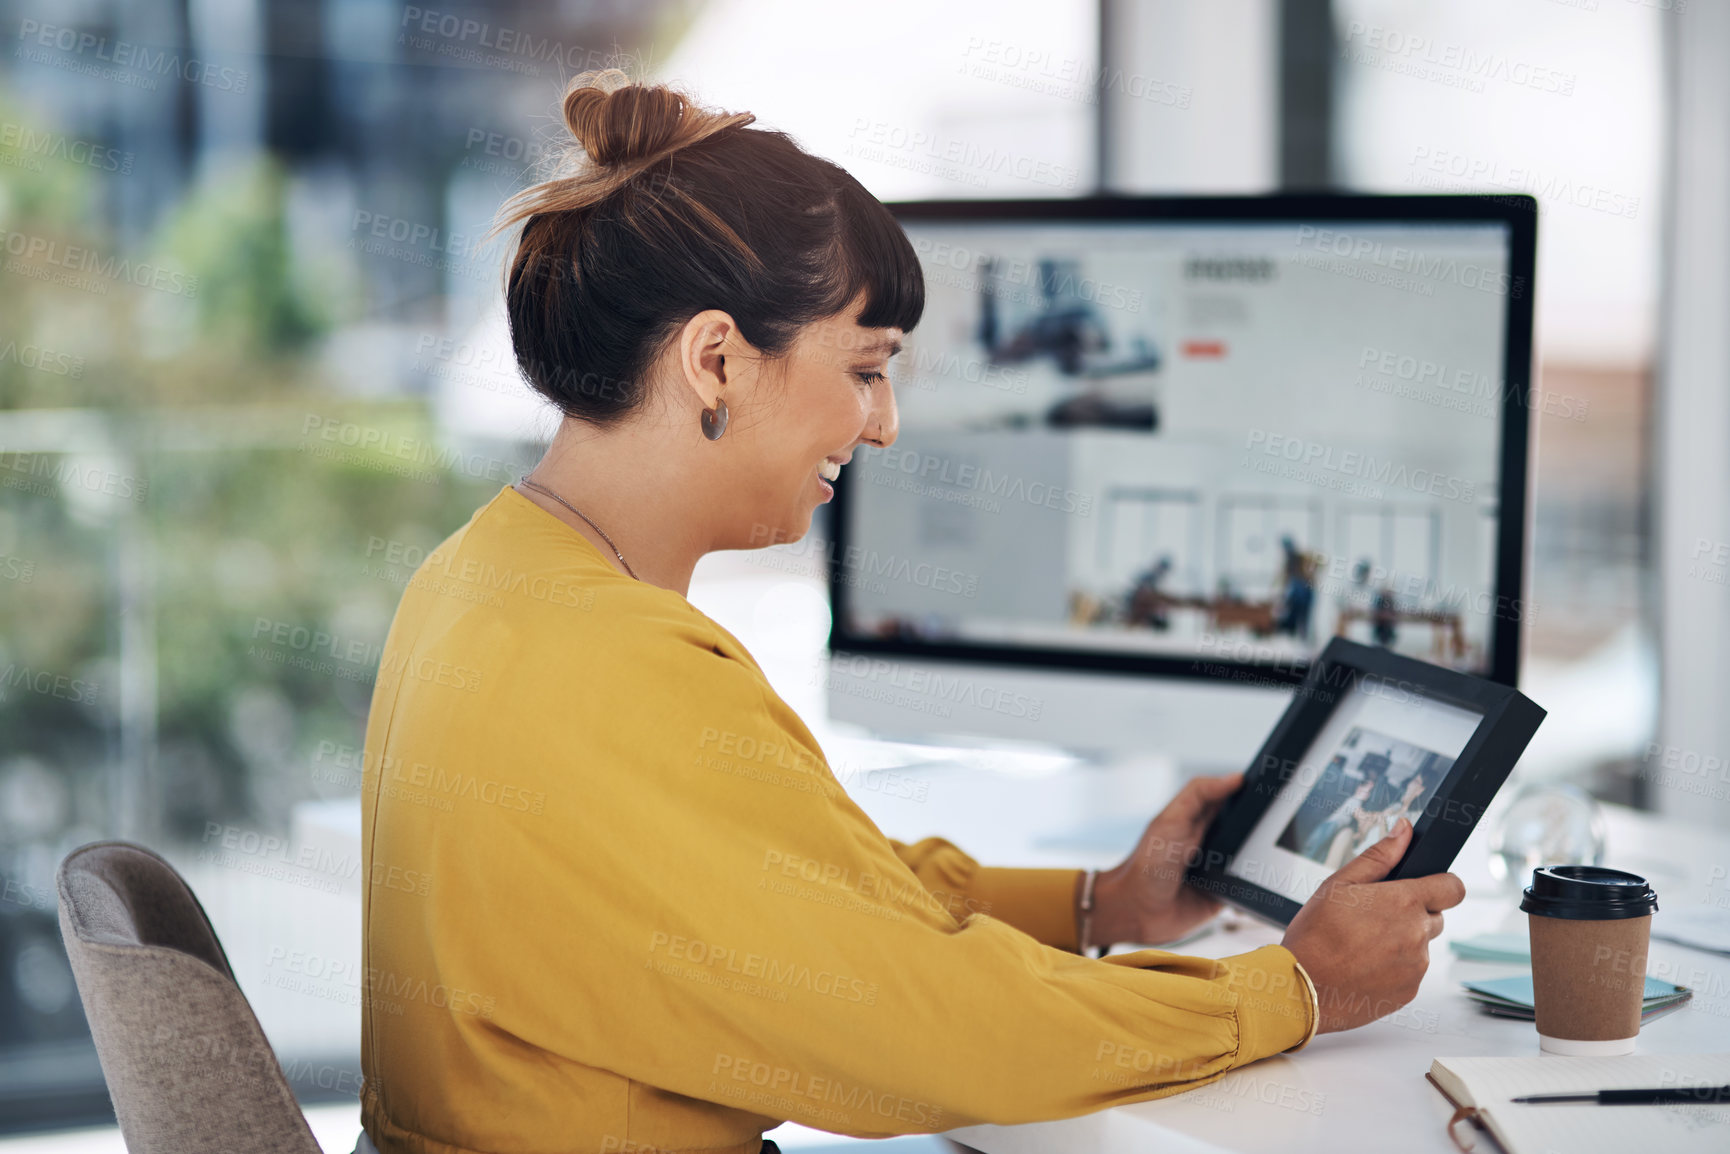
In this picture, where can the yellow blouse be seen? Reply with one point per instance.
(618, 902)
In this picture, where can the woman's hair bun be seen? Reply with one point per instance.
(652, 212)
(625, 125)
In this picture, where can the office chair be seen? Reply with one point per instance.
(187, 1066)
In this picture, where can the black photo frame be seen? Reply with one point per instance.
(1508, 719)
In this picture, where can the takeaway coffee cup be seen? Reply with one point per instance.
(1590, 929)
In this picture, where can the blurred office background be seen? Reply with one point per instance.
(253, 367)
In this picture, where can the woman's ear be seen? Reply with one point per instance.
(710, 356)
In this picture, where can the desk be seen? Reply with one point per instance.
(1362, 1090)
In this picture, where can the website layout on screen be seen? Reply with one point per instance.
(1223, 443)
(1379, 758)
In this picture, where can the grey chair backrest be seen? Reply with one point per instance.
(188, 1068)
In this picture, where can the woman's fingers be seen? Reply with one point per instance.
(1193, 801)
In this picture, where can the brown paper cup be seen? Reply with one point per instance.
(1589, 981)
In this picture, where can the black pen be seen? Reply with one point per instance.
(1710, 1095)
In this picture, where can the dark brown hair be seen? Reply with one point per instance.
(667, 209)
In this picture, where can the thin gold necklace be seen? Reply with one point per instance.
(543, 489)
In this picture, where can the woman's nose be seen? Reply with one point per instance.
(885, 419)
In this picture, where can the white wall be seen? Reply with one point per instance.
(1693, 434)
(1196, 109)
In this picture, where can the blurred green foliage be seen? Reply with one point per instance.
(198, 398)
(255, 296)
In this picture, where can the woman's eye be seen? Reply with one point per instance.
(871, 378)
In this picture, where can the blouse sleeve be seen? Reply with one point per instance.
(1038, 902)
(703, 911)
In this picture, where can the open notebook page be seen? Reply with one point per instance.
(1587, 1128)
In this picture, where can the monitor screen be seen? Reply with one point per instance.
(1193, 445)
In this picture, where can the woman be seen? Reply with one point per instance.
(1342, 824)
(1385, 806)
(618, 902)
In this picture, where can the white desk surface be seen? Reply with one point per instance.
(1363, 1090)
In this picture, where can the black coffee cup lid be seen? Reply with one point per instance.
(1588, 893)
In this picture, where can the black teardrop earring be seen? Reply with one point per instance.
(715, 420)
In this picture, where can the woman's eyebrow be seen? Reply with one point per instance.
(886, 344)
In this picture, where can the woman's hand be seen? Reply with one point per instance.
(1365, 942)
(1145, 899)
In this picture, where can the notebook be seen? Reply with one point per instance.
(1512, 997)
(1494, 948)
(1479, 1089)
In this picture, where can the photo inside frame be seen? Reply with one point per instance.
(1380, 756)
(1370, 782)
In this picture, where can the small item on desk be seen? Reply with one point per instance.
(1590, 929)
(1515, 997)
(1511, 948)
(1654, 1096)
(1489, 1093)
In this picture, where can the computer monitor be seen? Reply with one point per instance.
(1154, 452)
